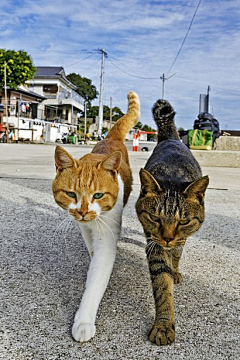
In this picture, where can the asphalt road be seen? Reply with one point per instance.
(44, 264)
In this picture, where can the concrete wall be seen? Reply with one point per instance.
(229, 143)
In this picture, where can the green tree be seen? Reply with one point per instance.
(85, 88)
(19, 67)
(117, 113)
(145, 127)
(139, 125)
(92, 112)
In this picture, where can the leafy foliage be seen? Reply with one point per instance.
(85, 88)
(19, 67)
(139, 125)
(116, 112)
(145, 127)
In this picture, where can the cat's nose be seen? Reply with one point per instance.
(168, 240)
(83, 212)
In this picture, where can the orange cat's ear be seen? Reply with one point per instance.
(197, 188)
(63, 159)
(112, 162)
(148, 183)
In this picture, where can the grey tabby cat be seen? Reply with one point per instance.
(170, 208)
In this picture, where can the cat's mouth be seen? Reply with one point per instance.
(168, 244)
(86, 219)
(83, 218)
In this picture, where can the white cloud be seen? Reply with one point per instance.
(145, 37)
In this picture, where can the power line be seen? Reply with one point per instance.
(185, 36)
(77, 62)
(129, 68)
(89, 66)
(125, 72)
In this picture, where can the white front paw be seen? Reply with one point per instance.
(83, 332)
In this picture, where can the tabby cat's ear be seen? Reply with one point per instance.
(112, 162)
(63, 159)
(148, 183)
(197, 188)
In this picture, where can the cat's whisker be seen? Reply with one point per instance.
(108, 218)
(107, 227)
(150, 248)
(149, 243)
(69, 223)
(60, 226)
(98, 226)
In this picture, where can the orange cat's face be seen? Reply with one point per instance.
(86, 187)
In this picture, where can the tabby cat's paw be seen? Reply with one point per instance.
(83, 332)
(162, 333)
(177, 277)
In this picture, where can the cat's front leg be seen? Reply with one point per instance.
(104, 253)
(162, 331)
(176, 255)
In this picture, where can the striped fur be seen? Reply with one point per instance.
(170, 208)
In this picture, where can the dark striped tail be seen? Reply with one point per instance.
(163, 114)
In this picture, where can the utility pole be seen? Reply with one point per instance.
(100, 112)
(164, 78)
(110, 113)
(208, 91)
(85, 118)
(6, 101)
(163, 81)
(72, 118)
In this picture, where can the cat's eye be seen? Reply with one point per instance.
(184, 222)
(98, 196)
(71, 194)
(154, 218)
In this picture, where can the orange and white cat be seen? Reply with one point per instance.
(94, 190)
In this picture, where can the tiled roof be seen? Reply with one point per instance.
(50, 71)
(30, 93)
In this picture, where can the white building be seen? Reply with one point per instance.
(62, 102)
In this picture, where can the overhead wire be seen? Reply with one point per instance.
(90, 65)
(131, 69)
(183, 42)
(77, 62)
(135, 76)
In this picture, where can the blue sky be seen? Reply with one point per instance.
(142, 39)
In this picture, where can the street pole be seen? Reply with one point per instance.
(163, 81)
(85, 118)
(208, 90)
(72, 119)
(164, 78)
(110, 112)
(100, 112)
(6, 101)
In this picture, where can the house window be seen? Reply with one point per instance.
(50, 89)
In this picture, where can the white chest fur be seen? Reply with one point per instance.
(101, 237)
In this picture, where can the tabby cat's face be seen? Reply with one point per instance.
(168, 216)
(85, 188)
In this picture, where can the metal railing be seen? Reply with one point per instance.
(64, 94)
